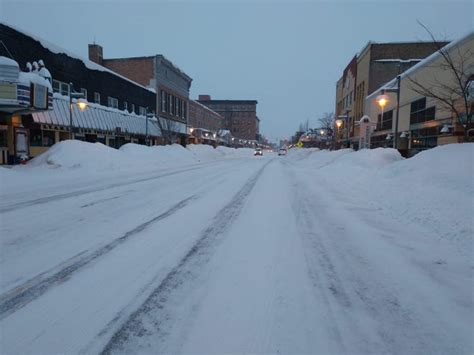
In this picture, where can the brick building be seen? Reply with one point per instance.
(158, 73)
(203, 122)
(240, 116)
(374, 65)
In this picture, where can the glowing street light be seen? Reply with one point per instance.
(81, 103)
(338, 123)
(382, 100)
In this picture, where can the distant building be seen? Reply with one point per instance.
(203, 123)
(374, 65)
(159, 74)
(240, 116)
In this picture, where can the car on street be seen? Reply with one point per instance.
(282, 151)
(258, 151)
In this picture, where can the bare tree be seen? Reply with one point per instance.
(452, 94)
(327, 120)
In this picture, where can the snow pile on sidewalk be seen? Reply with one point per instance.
(72, 155)
(433, 188)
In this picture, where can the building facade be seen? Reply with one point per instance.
(240, 116)
(115, 98)
(373, 66)
(203, 123)
(156, 72)
(424, 121)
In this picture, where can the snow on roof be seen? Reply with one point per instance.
(206, 108)
(399, 60)
(27, 78)
(393, 83)
(8, 61)
(87, 63)
(96, 117)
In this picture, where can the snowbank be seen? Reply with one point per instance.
(434, 188)
(74, 155)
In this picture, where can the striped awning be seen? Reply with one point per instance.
(97, 117)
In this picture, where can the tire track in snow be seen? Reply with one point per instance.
(353, 289)
(152, 313)
(62, 196)
(13, 300)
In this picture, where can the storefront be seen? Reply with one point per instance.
(94, 123)
(21, 93)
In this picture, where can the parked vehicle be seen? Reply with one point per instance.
(258, 151)
(282, 151)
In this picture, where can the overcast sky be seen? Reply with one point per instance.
(287, 55)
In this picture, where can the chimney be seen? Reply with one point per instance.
(95, 53)
(204, 98)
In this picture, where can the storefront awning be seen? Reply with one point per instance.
(96, 117)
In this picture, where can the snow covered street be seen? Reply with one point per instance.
(217, 252)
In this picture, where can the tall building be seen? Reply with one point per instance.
(171, 84)
(240, 116)
(374, 65)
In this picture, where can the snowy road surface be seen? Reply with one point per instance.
(249, 255)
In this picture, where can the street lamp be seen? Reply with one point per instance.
(346, 126)
(81, 103)
(338, 125)
(383, 99)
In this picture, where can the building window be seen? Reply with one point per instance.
(84, 92)
(169, 104)
(62, 88)
(48, 138)
(419, 113)
(385, 122)
(163, 101)
(97, 98)
(426, 138)
(173, 105)
(125, 105)
(56, 86)
(36, 139)
(65, 89)
(112, 102)
(132, 107)
(142, 110)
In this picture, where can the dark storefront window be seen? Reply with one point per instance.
(419, 113)
(36, 138)
(379, 141)
(426, 138)
(3, 138)
(48, 138)
(385, 122)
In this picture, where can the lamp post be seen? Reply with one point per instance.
(338, 125)
(82, 103)
(383, 99)
(346, 126)
(147, 115)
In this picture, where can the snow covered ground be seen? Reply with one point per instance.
(202, 250)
